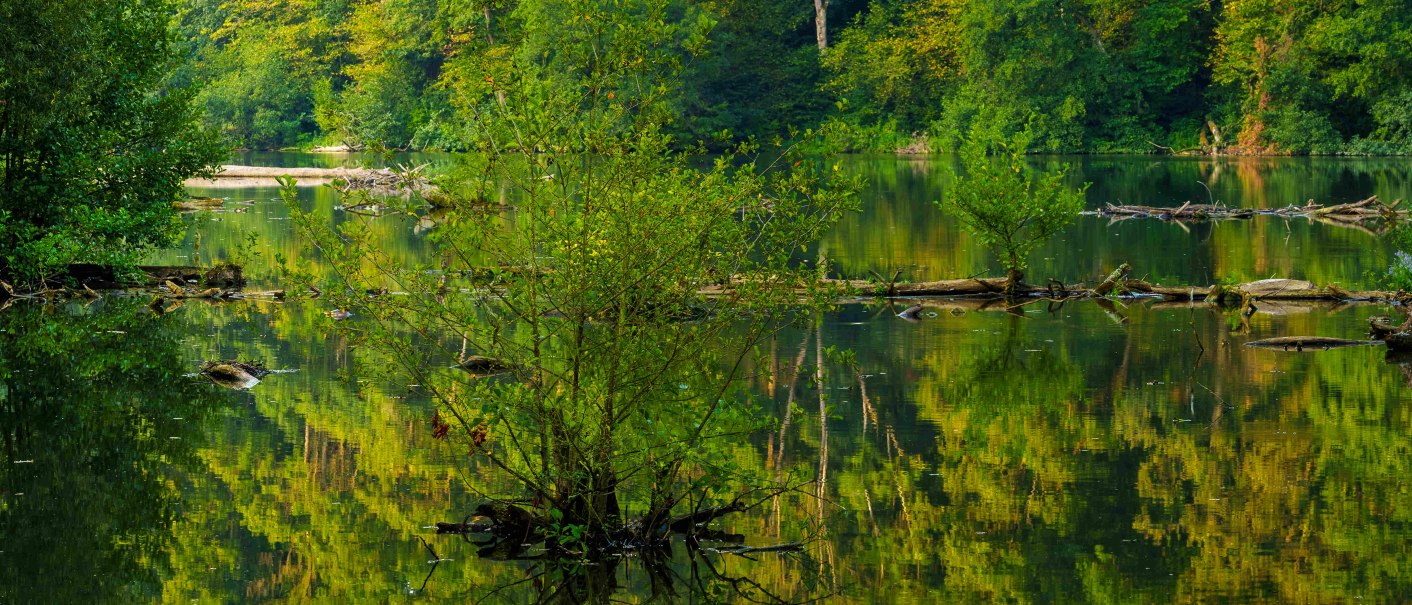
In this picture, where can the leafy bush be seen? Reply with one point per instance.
(93, 150)
(1005, 206)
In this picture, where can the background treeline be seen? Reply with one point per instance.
(1239, 76)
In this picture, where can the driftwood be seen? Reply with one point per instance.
(86, 279)
(1113, 279)
(1299, 343)
(687, 523)
(1397, 336)
(1350, 213)
(1265, 289)
(464, 527)
(237, 172)
(745, 550)
(104, 278)
(198, 203)
(233, 176)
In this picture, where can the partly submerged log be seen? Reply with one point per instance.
(99, 277)
(198, 203)
(1265, 289)
(464, 527)
(1382, 326)
(1116, 277)
(1300, 343)
(235, 172)
(233, 176)
(1399, 341)
(1362, 210)
(1397, 336)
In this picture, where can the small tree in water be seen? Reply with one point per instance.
(616, 415)
(1006, 206)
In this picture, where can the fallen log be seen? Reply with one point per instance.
(1265, 289)
(1113, 280)
(480, 366)
(1299, 343)
(198, 203)
(99, 277)
(1381, 326)
(233, 176)
(1353, 212)
(1399, 341)
(236, 172)
(745, 550)
(464, 527)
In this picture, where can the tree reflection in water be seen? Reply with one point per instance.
(99, 424)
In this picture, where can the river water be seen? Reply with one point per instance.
(1136, 452)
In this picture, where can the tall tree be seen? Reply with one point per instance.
(93, 149)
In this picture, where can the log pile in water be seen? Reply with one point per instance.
(1351, 213)
(994, 287)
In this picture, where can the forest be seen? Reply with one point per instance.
(711, 302)
(1238, 77)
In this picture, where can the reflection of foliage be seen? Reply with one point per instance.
(621, 393)
(1005, 467)
(97, 420)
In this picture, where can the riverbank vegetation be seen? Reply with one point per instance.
(1152, 76)
(94, 147)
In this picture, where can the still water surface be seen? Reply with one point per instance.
(1075, 453)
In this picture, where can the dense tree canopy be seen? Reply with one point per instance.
(92, 149)
(1242, 76)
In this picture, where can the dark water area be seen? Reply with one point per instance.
(1128, 453)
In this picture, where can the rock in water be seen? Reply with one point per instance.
(912, 312)
(234, 374)
(480, 365)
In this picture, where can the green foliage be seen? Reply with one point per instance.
(93, 150)
(1398, 275)
(1309, 76)
(1005, 206)
(624, 382)
(1286, 76)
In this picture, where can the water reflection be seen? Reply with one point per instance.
(100, 431)
(975, 456)
(1138, 453)
(901, 228)
(1064, 457)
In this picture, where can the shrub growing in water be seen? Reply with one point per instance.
(1008, 207)
(619, 407)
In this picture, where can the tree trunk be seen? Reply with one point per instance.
(1013, 277)
(490, 41)
(821, 23)
(489, 37)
